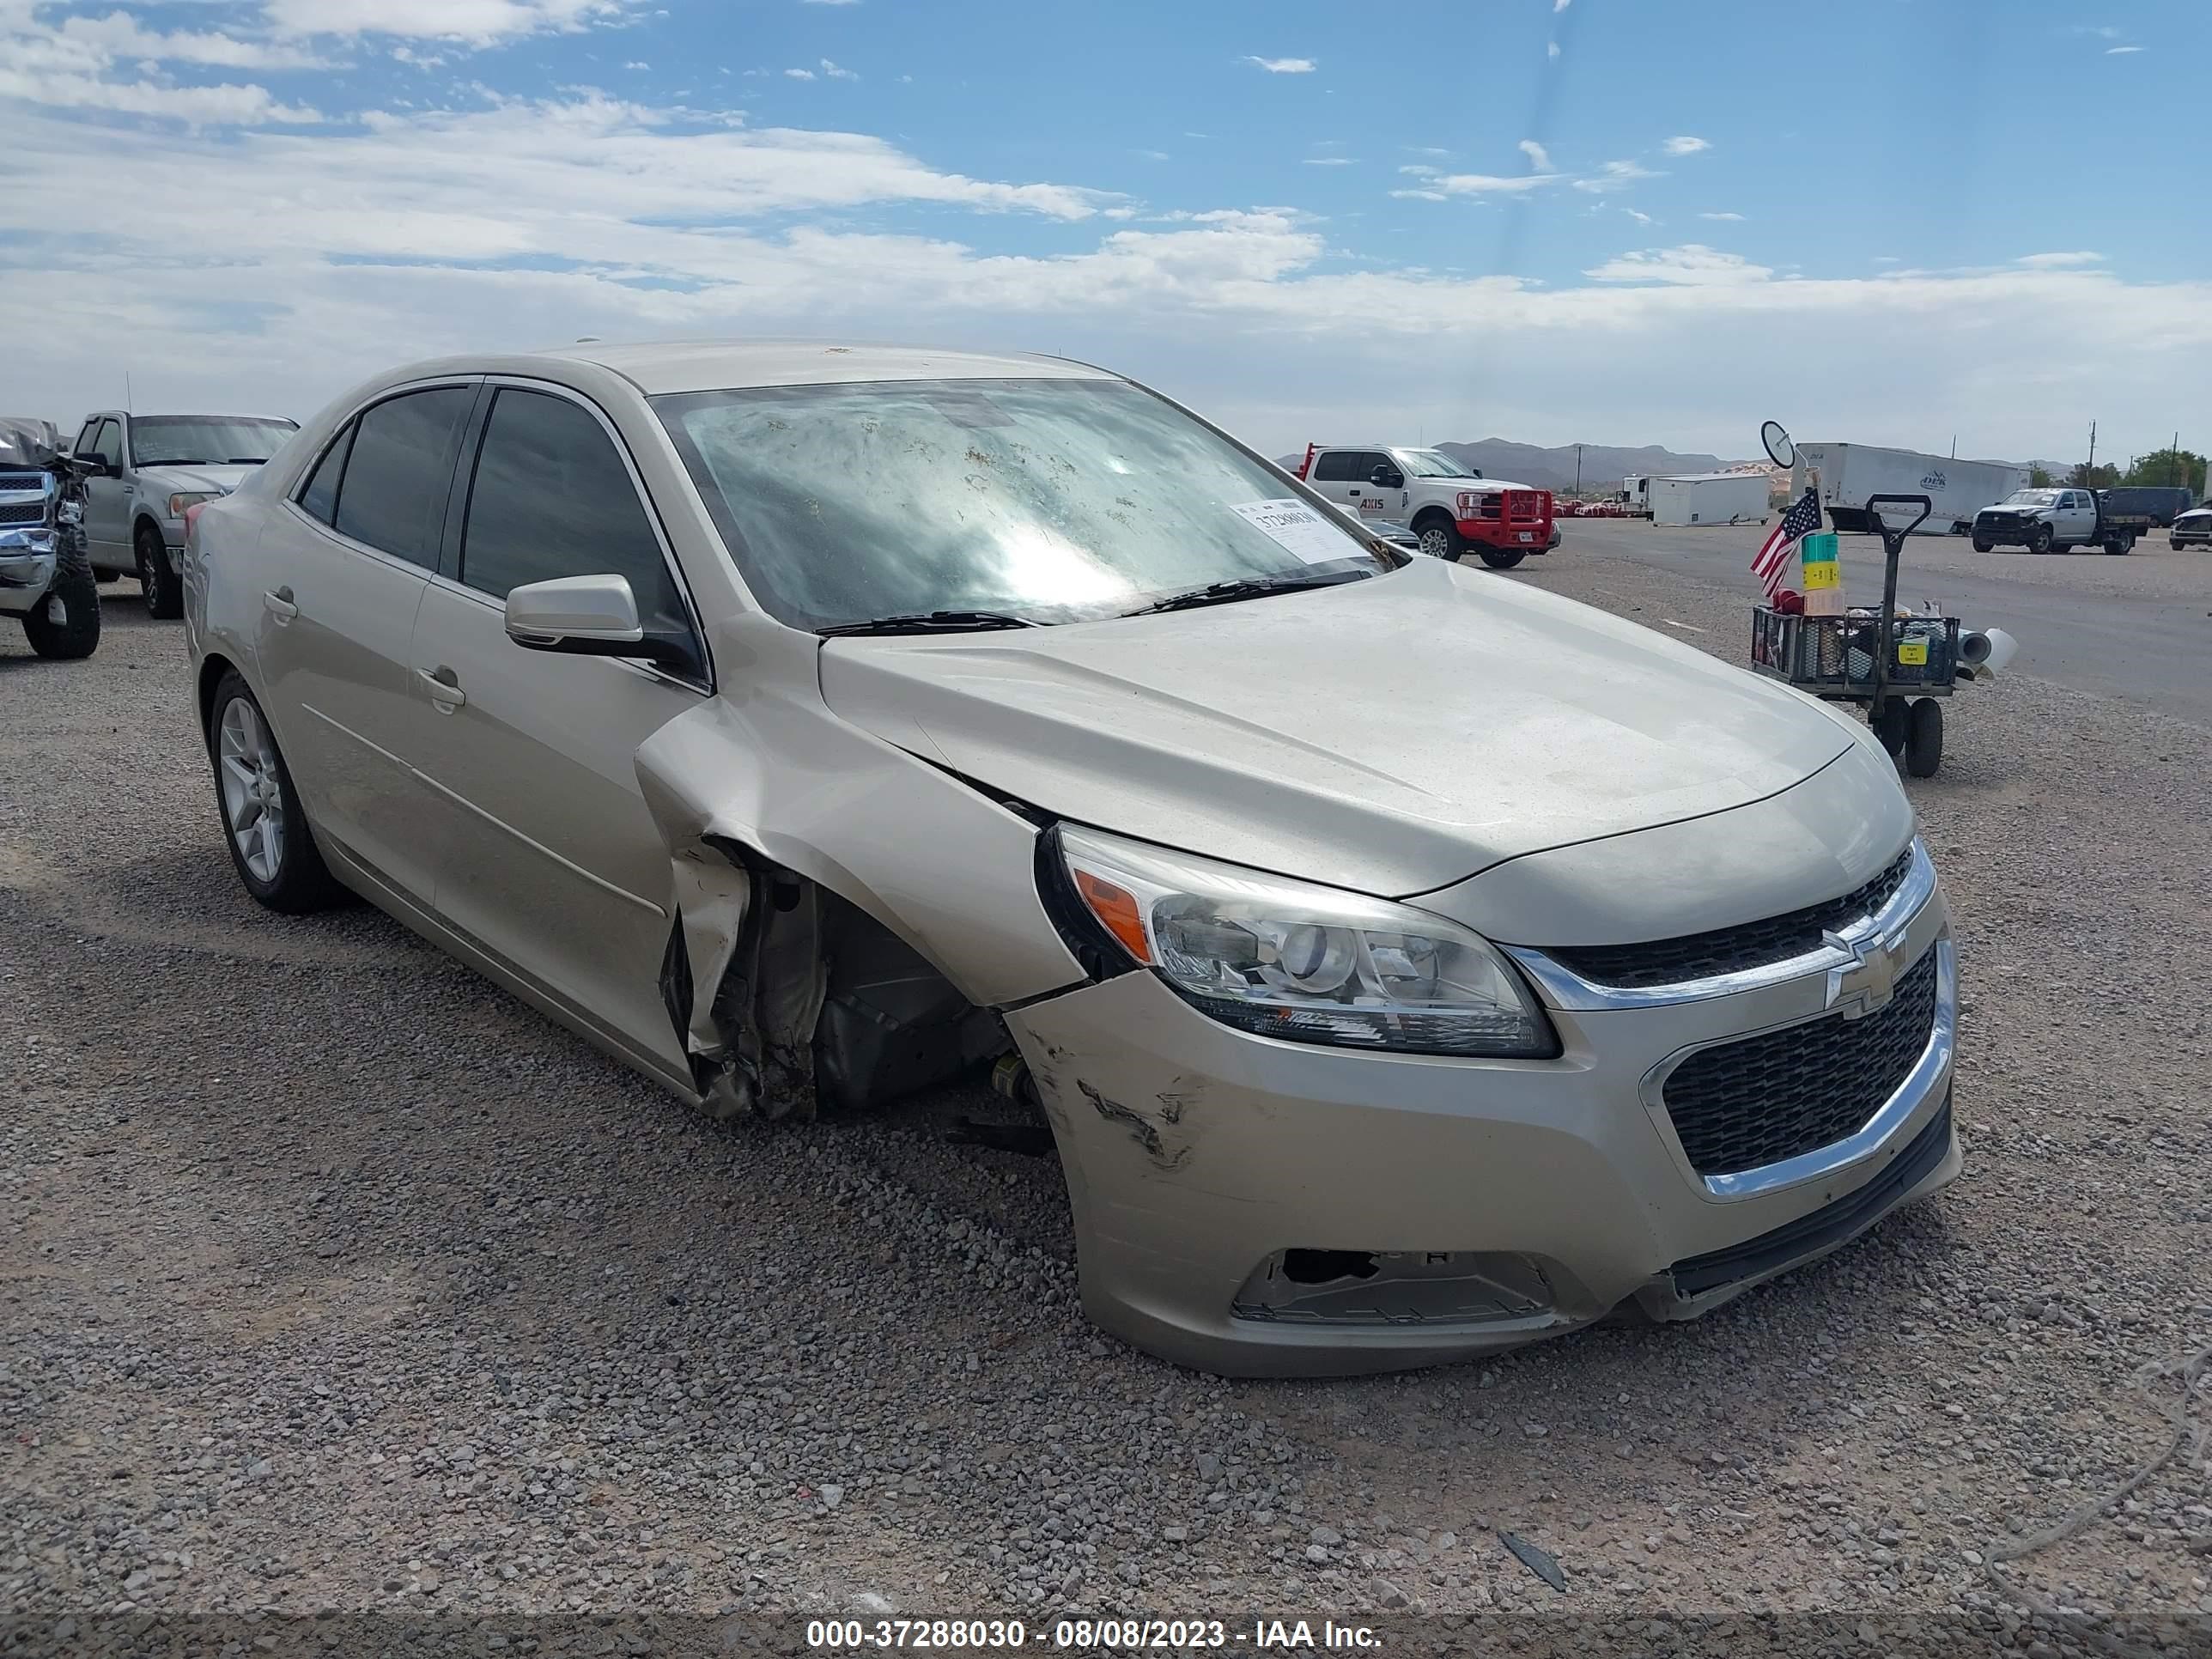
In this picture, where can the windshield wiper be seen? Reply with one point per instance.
(933, 621)
(247, 460)
(1244, 588)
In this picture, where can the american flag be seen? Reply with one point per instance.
(1771, 562)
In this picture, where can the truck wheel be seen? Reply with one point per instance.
(1891, 728)
(2120, 545)
(2039, 539)
(165, 594)
(1502, 558)
(65, 624)
(1440, 538)
(1924, 737)
(1982, 543)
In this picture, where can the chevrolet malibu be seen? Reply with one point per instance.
(808, 724)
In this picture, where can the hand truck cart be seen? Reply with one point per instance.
(1898, 668)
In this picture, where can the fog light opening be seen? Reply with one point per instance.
(1326, 1266)
(1397, 1288)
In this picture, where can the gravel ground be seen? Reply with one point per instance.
(336, 1279)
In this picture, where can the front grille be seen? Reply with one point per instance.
(1732, 950)
(15, 481)
(22, 512)
(1744, 1105)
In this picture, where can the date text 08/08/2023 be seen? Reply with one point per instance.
(1085, 1635)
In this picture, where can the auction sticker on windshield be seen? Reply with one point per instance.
(1299, 528)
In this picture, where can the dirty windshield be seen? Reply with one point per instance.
(2033, 498)
(1045, 500)
(203, 440)
(1434, 464)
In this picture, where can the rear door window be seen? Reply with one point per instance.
(399, 471)
(321, 498)
(1336, 467)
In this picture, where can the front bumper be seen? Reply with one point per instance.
(27, 561)
(1195, 1154)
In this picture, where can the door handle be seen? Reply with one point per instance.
(444, 686)
(278, 602)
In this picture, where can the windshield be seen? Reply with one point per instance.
(1431, 464)
(204, 440)
(2034, 497)
(1053, 500)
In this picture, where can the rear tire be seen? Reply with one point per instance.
(1924, 742)
(1440, 538)
(1893, 727)
(165, 594)
(1503, 558)
(75, 634)
(271, 846)
(2119, 546)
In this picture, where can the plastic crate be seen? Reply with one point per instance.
(1836, 654)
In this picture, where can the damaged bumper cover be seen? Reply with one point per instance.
(1253, 1208)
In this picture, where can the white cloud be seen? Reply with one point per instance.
(1328, 160)
(1615, 175)
(1478, 184)
(637, 64)
(1287, 65)
(1552, 50)
(1725, 218)
(2120, 51)
(1640, 218)
(1420, 195)
(1692, 264)
(1538, 156)
(1559, 6)
(302, 259)
(118, 37)
(1685, 145)
(2059, 261)
(799, 73)
(479, 22)
(836, 73)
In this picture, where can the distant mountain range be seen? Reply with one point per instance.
(1603, 466)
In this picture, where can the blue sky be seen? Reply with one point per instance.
(1618, 220)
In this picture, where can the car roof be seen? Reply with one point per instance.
(676, 365)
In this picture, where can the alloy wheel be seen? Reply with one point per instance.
(253, 789)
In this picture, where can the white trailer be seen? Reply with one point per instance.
(1958, 489)
(1710, 498)
(1636, 494)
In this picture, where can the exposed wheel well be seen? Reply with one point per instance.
(142, 524)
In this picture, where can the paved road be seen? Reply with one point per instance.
(2076, 620)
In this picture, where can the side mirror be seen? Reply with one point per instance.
(1387, 477)
(592, 617)
(98, 465)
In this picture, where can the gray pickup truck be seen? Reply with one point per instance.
(155, 467)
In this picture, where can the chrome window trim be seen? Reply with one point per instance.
(1929, 1074)
(1565, 989)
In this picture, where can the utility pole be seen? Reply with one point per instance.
(2174, 453)
(2093, 447)
(127, 409)
(1578, 472)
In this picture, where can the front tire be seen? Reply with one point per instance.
(1503, 558)
(2039, 539)
(1982, 543)
(73, 633)
(271, 846)
(165, 594)
(1440, 538)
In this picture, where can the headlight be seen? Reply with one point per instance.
(1308, 964)
(189, 498)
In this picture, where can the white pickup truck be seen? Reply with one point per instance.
(2054, 520)
(1449, 507)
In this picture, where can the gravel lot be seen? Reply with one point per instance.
(334, 1278)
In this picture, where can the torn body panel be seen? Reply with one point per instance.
(845, 913)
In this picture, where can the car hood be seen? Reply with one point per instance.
(191, 480)
(1391, 736)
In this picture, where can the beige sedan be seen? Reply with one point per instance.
(1407, 962)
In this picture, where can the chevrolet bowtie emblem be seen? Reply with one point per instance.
(1866, 983)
